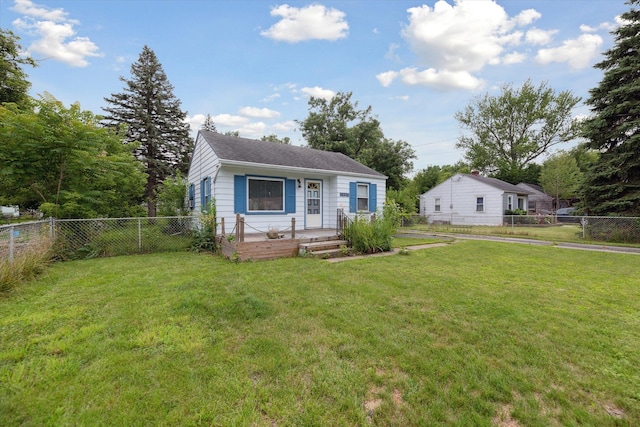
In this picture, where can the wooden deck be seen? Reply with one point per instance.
(257, 246)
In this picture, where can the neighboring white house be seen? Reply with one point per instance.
(471, 199)
(539, 202)
(270, 183)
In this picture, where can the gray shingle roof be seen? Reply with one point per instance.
(499, 184)
(237, 149)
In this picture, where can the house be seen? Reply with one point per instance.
(539, 202)
(471, 199)
(269, 183)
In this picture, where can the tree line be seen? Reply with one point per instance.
(132, 160)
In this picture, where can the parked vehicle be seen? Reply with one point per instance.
(10, 211)
(566, 215)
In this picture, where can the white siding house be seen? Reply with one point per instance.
(270, 183)
(470, 199)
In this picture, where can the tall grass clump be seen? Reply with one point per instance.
(27, 264)
(371, 235)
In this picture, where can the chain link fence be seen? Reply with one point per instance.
(18, 239)
(91, 238)
(603, 229)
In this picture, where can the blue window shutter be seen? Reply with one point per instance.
(239, 194)
(353, 196)
(290, 194)
(192, 196)
(373, 197)
(202, 190)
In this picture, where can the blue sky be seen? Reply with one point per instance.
(252, 65)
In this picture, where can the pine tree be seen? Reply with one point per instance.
(209, 124)
(612, 184)
(152, 117)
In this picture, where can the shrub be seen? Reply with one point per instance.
(204, 237)
(370, 235)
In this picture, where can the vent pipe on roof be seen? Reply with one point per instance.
(475, 172)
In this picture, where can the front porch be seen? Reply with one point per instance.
(260, 245)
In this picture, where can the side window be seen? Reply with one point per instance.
(363, 198)
(437, 204)
(479, 204)
(205, 193)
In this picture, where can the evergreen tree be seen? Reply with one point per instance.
(13, 80)
(612, 184)
(209, 124)
(153, 119)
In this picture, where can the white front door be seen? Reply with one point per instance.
(314, 204)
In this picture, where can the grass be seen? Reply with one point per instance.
(555, 233)
(29, 261)
(473, 333)
(403, 242)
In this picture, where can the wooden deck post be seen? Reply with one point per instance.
(222, 226)
(293, 228)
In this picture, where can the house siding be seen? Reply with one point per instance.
(223, 176)
(458, 197)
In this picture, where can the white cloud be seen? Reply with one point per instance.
(308, 23)
(454, 41)
(514, 58)
(526, 17)
(391, 52)
(578, 53)
(287, 126)
(253, 130)
(263, 113)
(387, 77)
(54, 32)
(318, 92)
(229, 120)
(441, 79)
(539, 37)
(271, 97)
(195, 122)
(26, 7)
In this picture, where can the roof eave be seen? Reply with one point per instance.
(296, 169)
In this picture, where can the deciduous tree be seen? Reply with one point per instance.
(508, 132)
(152, 117)
(560, 176)
(62, 161)
(338, 125)
(14, 86)
(612, 184)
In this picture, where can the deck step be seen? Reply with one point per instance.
(321, 246)
(326, 249)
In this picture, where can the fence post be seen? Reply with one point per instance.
(11, 242)
(293, 228)
(139, 235)
(52, 229)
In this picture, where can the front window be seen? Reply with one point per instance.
(437, 204)
(266, 195)
(521, 204)
(479, 204)
(510, 203)
(363, 197)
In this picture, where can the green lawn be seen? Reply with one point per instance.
(472, 333)
(553, 233)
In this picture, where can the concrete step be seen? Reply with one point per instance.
(323, 246)
(331, 253)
